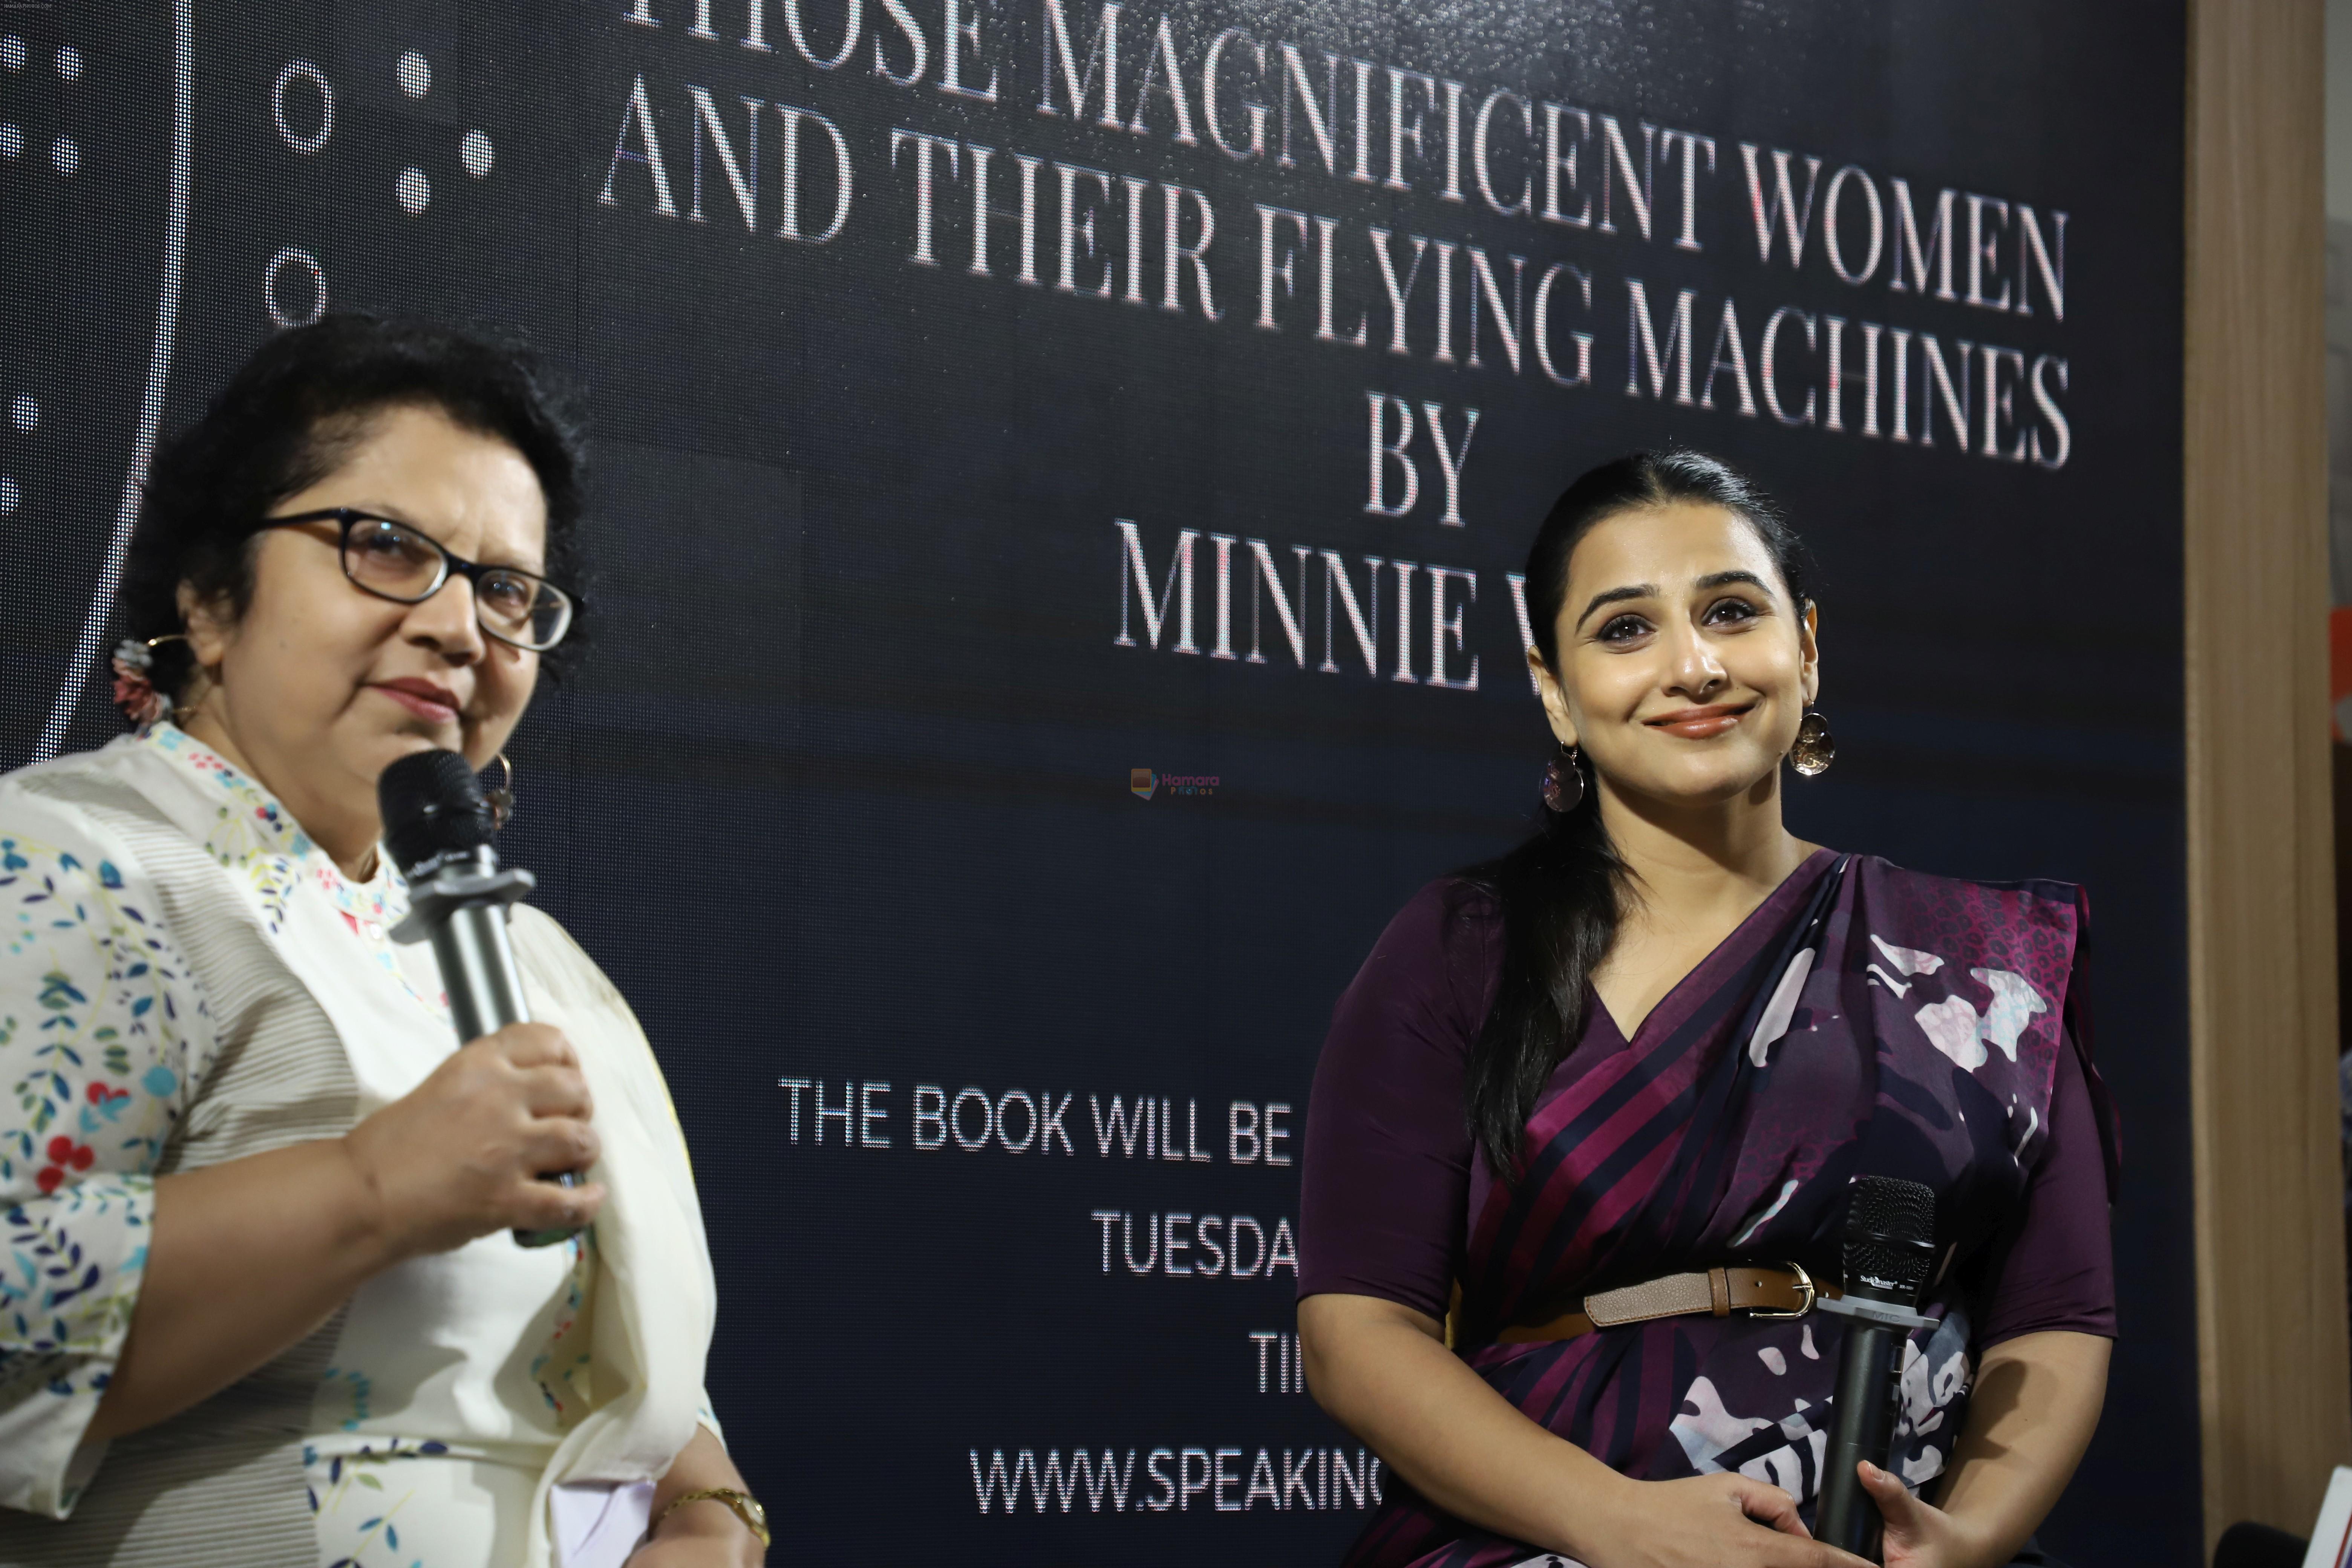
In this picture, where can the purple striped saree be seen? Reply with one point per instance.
(1864, 1020)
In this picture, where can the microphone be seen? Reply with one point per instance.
(438, 828)
(1890, 1243)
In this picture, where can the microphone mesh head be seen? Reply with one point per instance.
(1890, 1237)
(432, 804)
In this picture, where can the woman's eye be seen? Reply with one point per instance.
(511, 595)
(1624, 628)
(1729, 610)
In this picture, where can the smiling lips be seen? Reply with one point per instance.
(422, 697)
(1701, 723)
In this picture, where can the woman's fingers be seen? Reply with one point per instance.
(560, 1143)
(544, 1205)
(1796, 1545)
(462, 1154)
(554, 1091)
(1904, 1513)
(1767, 1504)
(533, 1045)
(1712, 1521)
(1821, 1554)
(546, 1068)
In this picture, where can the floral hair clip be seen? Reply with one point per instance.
(135, 694)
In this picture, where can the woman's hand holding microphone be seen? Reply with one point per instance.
(1731, 1521)
(462, 1154)
(1704, 1521)
(249, 1254)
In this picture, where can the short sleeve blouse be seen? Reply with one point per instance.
(1395, 1177)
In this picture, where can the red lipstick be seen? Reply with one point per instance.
(437, 704)
(1701, 723)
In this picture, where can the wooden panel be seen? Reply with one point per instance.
(2274, 1388)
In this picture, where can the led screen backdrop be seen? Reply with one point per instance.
(1060, 467)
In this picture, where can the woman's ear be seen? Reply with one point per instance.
(1555, 700)
(210, 630)
(1809, 652)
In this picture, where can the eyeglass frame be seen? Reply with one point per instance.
(472, 571)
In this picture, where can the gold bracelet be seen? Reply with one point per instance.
(743, 1505)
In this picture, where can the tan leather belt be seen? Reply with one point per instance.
(1787, 1292)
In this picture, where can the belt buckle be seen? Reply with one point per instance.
(1804, 1285)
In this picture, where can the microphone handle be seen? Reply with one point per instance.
(478, 967)
(1864, 1430)
(485, 989)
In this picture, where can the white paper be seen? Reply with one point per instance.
(597, 1525)
(2331, 1538)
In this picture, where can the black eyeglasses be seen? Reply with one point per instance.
(395, 561)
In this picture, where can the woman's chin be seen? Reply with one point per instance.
(1718, 782)
(378, 751)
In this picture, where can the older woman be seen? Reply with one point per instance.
(262, 1303)
(1602, 1097)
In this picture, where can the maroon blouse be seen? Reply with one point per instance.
(1395, 1177)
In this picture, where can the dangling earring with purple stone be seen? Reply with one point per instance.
(1563, 782)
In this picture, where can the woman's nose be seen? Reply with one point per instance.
(449, 623)
(1697, 672)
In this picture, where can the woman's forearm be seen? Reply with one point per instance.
(2035, 1404)
(702, 1465)
(244, 1259)
(1382, 1372)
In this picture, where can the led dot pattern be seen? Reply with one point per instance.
(294, 130)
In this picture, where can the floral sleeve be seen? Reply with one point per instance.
(101, 1031)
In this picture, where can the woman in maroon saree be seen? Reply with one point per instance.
(1798, 1017)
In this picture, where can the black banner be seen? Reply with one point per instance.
(1060, 468)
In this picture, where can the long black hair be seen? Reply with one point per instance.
(1562, 893)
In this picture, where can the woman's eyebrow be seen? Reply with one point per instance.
(395, 514)
(1613, 596)
(1724, 579)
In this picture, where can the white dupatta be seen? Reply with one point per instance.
(654, 1298)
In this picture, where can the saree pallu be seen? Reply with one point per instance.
(1866, 1020)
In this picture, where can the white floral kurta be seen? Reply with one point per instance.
(187, 978)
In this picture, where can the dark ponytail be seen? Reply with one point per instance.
(1562, 893)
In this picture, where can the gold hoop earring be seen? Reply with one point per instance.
(1816, 749)
(500, 800)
